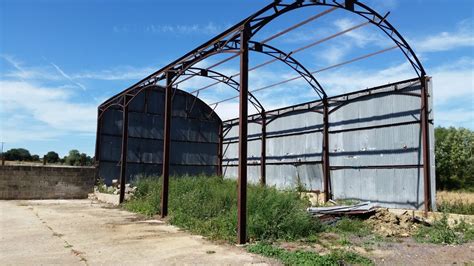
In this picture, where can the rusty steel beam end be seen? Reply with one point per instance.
(425, 143)
(123, 161)
(243, 123)
(325, 159)
(263, 158)
(166, 145)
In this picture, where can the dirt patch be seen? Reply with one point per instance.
(388, 224)
(409, 252)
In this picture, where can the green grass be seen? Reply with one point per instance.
(208, 206)
(300, 257)
(441, 233)
(347, 226)
(457, 206)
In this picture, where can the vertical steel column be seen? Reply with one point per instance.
(326, 167)
(123, 161)
(166, 145)
(243, 120)
(220, 149)
(425, 126)
(263, 157)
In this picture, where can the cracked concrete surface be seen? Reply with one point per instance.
(83, 232)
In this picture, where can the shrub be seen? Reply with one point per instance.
(441, 233)
(208, 206)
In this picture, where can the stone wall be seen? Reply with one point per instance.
(46, 182)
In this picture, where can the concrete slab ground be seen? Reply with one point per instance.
(83, 232)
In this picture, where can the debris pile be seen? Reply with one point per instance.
(389, 224)
(361, 208)
(115, 188)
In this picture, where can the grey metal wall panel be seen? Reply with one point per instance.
(392, 188)
(359, 140)
(377, 146)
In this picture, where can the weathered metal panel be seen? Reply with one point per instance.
(374, 146)
(194, 137)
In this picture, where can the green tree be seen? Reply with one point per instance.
(19, 154)
(35, 158)
(51, 157)
(73, 158)
(454, 150)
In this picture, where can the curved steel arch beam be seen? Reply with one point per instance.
(262, 17)
(229, 81)
(229, 46)
(259, 20)
(234, 46)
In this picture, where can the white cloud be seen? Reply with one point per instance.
(454, 81)
(207, 29)
(50, 107)
(463, 36)
(117, 73)
(66, 76)
(457, 117)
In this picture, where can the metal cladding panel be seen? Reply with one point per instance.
(296, 122)
(290, 175)
(377, 146)
(109, 171)
(142, 125)
(194, 136)
(374, 146)
(149, 151)
(194, 130)
(286, 143)
(112, 122)
(111, 150)
(375, 110)
(392, 188)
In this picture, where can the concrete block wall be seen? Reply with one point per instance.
(46, 182)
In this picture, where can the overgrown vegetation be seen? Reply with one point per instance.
(300, 257)
(454, 150)
(208, 206)
(441, 233)
(458, 206)
(455, 202)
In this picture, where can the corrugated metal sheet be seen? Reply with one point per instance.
(369, 160)
(194, 134)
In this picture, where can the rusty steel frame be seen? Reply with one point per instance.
(166, 146)
(221, 78)
(425, 143)
(243, 116)
(238, 39)
(123, 160)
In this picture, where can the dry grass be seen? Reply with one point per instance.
(453, 196)
(455, 202)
